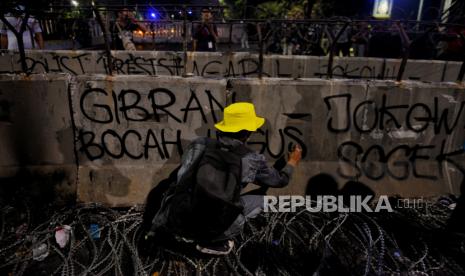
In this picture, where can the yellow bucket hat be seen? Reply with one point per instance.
(240, 116)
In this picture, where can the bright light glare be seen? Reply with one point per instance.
(383, 7)
(75, 3)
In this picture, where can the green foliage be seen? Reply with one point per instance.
(72, 14)
(263, 9)
(329, 8)
(236, 8)
(272, 9)
(281, 9)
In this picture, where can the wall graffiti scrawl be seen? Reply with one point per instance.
(128, 132)
(400, 122)
(398, 139)
(227, 65)
(404, 139)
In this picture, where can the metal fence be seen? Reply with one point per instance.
(174, 27)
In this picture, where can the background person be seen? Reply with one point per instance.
(122, 29)
(206, 34)
(32, 35)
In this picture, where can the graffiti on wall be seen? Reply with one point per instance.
(132, 108)
(400, 121)
(172, 64)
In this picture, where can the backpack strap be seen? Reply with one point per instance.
(242, 150)
(212, 143)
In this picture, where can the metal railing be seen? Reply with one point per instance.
(307, 37)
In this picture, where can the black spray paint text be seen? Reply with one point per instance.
(128, 106)
(401, 161)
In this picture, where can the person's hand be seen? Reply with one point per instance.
(295, 156)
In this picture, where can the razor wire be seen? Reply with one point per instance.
(406, 241)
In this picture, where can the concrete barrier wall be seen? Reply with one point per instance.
(394, 138)
(129, 131)
(133, 129)
(36, 137)
(239, 64)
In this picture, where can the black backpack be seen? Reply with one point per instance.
(206, 200)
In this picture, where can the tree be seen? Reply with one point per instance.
(264, 9)
(308, 8)
(351, 8)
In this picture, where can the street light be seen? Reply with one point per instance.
(382, 9)
(74, 3)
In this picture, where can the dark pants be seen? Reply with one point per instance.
(252, 201)
(253, 205)
(344, 48)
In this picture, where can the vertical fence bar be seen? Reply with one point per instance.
(152, 30)
(184, 42)
(105, 39)
(405, 50)
(329, 71)
(230, 35)
(462, 68)
(260, 54)
(462, 71)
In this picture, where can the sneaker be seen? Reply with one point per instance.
(216, 248)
